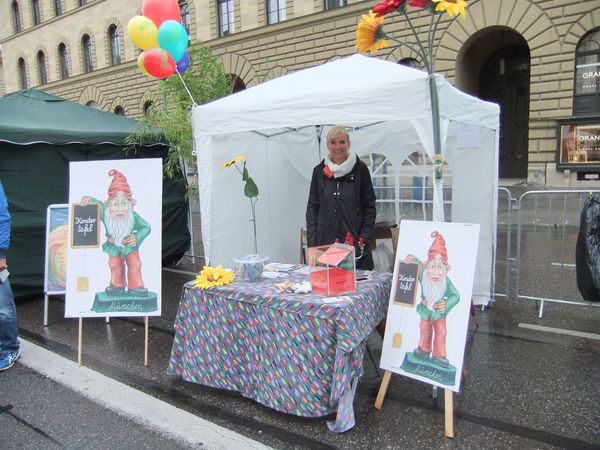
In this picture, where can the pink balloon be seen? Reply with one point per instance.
(160, 11)
(159, 63)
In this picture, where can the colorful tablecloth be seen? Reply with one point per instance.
(292, 352)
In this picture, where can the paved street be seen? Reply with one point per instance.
(50, 402)
(531, 383)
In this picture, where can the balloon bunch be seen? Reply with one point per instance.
(159, 33)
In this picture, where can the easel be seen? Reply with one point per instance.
(86, 217)
(448, 404)
(80, 341)
(408, 274)
(409, 298)
(56, 216)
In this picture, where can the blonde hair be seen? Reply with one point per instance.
(338, 131)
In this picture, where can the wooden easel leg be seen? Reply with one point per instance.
(449, 413)
(146, 341)
(383, 389)
(80, 341)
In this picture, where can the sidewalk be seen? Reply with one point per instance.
(49, 402)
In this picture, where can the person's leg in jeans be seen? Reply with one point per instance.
(8, 320)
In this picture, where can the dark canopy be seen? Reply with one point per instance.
(33, 116)
(39, 135)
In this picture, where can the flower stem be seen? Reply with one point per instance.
(431, 37)
(410, 47)
(435, 115)
(423, 53)
(253, 206)
(238, 169)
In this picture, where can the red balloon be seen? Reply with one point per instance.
(159, 63)
(160, 11)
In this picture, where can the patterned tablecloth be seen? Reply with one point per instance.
(292, 352)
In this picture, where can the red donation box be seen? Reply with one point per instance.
(332, 269)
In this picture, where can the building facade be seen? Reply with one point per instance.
(539, 59)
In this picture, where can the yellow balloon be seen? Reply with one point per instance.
(140, 62)
(143, 32)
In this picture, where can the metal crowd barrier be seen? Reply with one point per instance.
(544, 265)
(507, 204)
(541, 266)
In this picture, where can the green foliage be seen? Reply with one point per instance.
(250, 187)
(206, 81)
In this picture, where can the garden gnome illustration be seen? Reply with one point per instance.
(125, 232)
(438, 297)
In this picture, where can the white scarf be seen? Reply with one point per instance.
(339, 170)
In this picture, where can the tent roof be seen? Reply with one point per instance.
(32, 116)
(355, 90)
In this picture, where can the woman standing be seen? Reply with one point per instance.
(341, 199)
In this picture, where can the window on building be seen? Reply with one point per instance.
(41, 60)
(92, 104)
(35, 6)
(82, 2)
(184, 9)
(226, 19)
(22, 73)
(147, 105)
(383, 176)
(16, 16)
(119, 111)
(411, 62)
(58, 7)
(63, 60)
(86, 47)
(276, 11)
(236, 83)
(332, 4)
(114, 40)
(586, 99)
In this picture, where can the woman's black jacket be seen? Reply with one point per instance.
(338, 205)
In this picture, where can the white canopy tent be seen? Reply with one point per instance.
(278, 125)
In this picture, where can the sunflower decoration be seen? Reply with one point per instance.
(231, 162)
(250, 188)
(213, 276)
(452, 7)
(370, 36)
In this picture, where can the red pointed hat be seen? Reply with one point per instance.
(118, 183)
(438, 247)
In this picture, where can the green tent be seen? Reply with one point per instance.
(39, 135)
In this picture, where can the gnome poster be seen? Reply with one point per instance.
(115, 233)
(430, 301)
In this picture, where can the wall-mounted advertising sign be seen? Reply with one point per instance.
(587, 78)
(578, 144)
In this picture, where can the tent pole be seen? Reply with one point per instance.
(438, 159)
(190, 215)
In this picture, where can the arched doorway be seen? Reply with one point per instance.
(504, 79)
(237, 84)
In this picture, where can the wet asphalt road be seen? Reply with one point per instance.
(526, 388)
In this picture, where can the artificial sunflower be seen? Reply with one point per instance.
(452, 7)
(231, 162)
(369, 34)
(213, 276)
